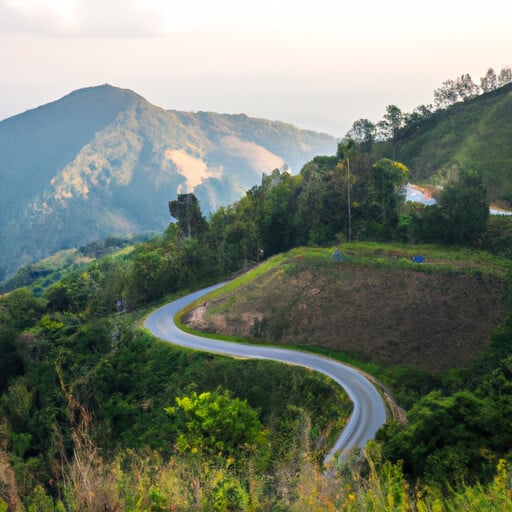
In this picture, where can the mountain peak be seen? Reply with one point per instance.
(103, 161)
(103, 90)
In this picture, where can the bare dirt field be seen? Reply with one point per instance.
(390, 316)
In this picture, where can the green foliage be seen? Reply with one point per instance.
(230, 496)
(469, 134)
(135, 483)
(24, 309)
(94, 337)
(188, 214)
(385, 187)
(455, 439)
(39, 501)
(390, 125)
(497, 237)
(151, 276)
(363, 133)
(465, 209)
(58, 297)
(498, 351)
(461, 217)
(216, 423)
(20, 443)
(11, 363)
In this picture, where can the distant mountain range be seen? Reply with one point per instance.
(103, 161)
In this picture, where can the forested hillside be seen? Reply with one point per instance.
(103, 162)
(467, 126)
(474, 133)
(97, 415)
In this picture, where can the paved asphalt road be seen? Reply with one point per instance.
(369, 411)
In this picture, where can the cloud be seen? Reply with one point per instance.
(82, 18)
(116, 18)
(31, 18)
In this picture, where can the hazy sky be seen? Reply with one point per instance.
(319, 64)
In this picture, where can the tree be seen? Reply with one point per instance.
(505, 76)
(58, 297)
(466, 88)
(446, 95)
(419, 114)
(11, 363)
(321, 202)
(363, 133)
(390, 125)
(446, 438)
(216, 423)
(279, 207)
(464, 208)
(489, 82)
(385, 186)
(152, 275)
(24, 309)
(234, 232)
(188, 214)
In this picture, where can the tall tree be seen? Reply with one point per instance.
(489, 82)
(279, 207)
(386, 181)
(466, 88)
(505, 76)
(363, 133)
(390, 125)
(188, 214)
(446, 95)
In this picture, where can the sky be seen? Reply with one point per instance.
(319, 64)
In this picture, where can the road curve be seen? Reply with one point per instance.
(369, 412)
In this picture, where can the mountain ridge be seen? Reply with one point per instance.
(103, 161)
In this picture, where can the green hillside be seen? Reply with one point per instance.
(96, 414)
(475, 134)
(103, 162)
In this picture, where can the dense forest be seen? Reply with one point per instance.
(97, 415)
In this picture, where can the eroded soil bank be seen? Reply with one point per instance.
(435, 320)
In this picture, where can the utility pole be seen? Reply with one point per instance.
(348, 202)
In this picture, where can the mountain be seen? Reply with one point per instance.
(103, 161)
(475, 133)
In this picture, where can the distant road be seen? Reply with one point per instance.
(369, 412)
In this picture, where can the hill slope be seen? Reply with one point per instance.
(103, 161)
(376, 305)
(475, 134)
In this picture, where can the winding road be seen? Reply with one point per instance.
(369, 412)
